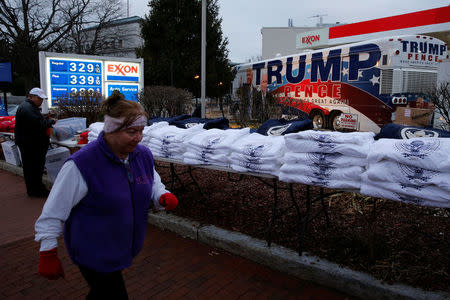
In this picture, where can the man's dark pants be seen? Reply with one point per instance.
(33, 162)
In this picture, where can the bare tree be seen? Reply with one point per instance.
(39, 22)
(161, 100)
(440, 97)
(31, 26)
(91, 32)
(254, 108)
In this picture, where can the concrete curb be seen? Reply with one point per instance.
(279, 258)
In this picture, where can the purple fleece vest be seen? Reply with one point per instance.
(106, 229)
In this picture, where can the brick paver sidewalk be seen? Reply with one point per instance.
(168, 267)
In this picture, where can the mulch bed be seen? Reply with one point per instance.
(394, 242)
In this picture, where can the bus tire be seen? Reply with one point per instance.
(318, 119)
(334, 121)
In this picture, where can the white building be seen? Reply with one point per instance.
(118, 38)
(121, 37)
(281, 41)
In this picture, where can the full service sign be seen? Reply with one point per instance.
(130, 91)
(65, 74)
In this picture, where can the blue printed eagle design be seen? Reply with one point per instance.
(250, 166)
(417, 148)
(209, 148)
(416, 173)
(324, 141)
(326, 146)
(165, 147)
(322, 138)
(409, 199)
(254, 151)
(320, 182)
(322, 172)
(417, 187)
(320, 158)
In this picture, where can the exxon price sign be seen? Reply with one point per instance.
(64, 75)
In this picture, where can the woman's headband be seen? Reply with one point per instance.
(112, 124)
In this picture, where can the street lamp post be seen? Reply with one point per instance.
(196, 77)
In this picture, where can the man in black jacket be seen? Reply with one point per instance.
(31, 136)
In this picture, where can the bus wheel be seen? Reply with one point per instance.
(334, 121)
(317, 118)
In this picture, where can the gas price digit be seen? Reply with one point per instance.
(73, 67)
(81, 67)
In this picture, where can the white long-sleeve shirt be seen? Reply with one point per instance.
(68, 190)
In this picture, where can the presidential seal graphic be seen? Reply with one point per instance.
(416, 174)
(254, 151)
(417, 148)
(278, 130)
(322, 138)
(190, 125)
(410, 133)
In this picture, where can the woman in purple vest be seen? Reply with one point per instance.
(103, 194)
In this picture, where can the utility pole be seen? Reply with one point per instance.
(203, 71)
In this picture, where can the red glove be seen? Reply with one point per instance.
(169, 201)
(49, 265)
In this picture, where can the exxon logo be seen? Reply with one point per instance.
(311, 39)
(121, 69)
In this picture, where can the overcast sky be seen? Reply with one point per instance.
(242, 20)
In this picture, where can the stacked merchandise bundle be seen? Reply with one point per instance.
(283, 127)
(168, 141)
(94, 131)
(412, 171)
(220, 123)
(257, 153)
(327, 159)
(211, 147)
(396, 131)
(147, 132)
